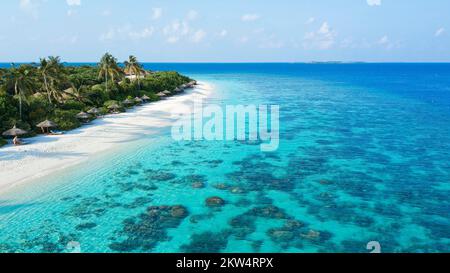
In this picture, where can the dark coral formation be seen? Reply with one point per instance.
(84, 226)
(214, 202)
(207, 242)
(145, 231)
(159, 175)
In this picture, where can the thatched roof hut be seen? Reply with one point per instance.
(127, 102)
(14, 131)
(94, 111)
(114, 106)
(83, 115)
(47, 124)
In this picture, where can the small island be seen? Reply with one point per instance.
(38, 97)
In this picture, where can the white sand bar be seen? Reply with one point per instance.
(45, 154)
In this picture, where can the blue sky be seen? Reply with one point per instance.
(227, 31)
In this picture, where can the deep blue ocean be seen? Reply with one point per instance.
(364, 156)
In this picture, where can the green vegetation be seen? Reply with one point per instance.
(31, 93)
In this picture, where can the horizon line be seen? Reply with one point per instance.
(250, 62)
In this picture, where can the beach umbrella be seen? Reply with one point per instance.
(83, 115)
(114, 107)
(46, 124)
(14, 131)
(94, 111)
(145, 98)
(127, 101)
(138, 100)
(161, 94)
(167, 92)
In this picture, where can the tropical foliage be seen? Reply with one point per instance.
(31, 93)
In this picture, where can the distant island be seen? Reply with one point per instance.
(56, 95)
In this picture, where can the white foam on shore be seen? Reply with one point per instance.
(44, 155)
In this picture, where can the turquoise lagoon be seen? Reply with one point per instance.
(364, 156)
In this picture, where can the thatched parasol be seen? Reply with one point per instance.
(94, 111)
(127, 102)
(114, 107)
(167, 92)
(14, 131)
(161, 94)
(145, 98)
(46, 125)
(83, 115)
(138, 100)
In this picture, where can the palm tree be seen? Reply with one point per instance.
(108, 67)
(52, 72)
(58, 77)
(133, 67)
(45, 72)
(77, 86)
(21, 80)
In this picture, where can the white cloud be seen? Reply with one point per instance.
(383, 40)
(198, 36)
(30, 6)
(323, 38)
(310, 20)
(180, 29)
(109, 35)
(73, 2)
(324, 29)
(156, 13)
(126, 32)
(439, 32)
(250, 17)
(141, 34)
(192, 15)
(176, 30)
(387, 43)
(374, 2)
(347, 43)
(222, 33)
(173, 39)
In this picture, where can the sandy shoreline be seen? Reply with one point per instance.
(46, 154)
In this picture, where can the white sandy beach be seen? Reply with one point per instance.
(46, 154)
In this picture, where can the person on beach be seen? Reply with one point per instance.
(17, 141)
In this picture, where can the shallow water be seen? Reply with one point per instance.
(364, 156)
